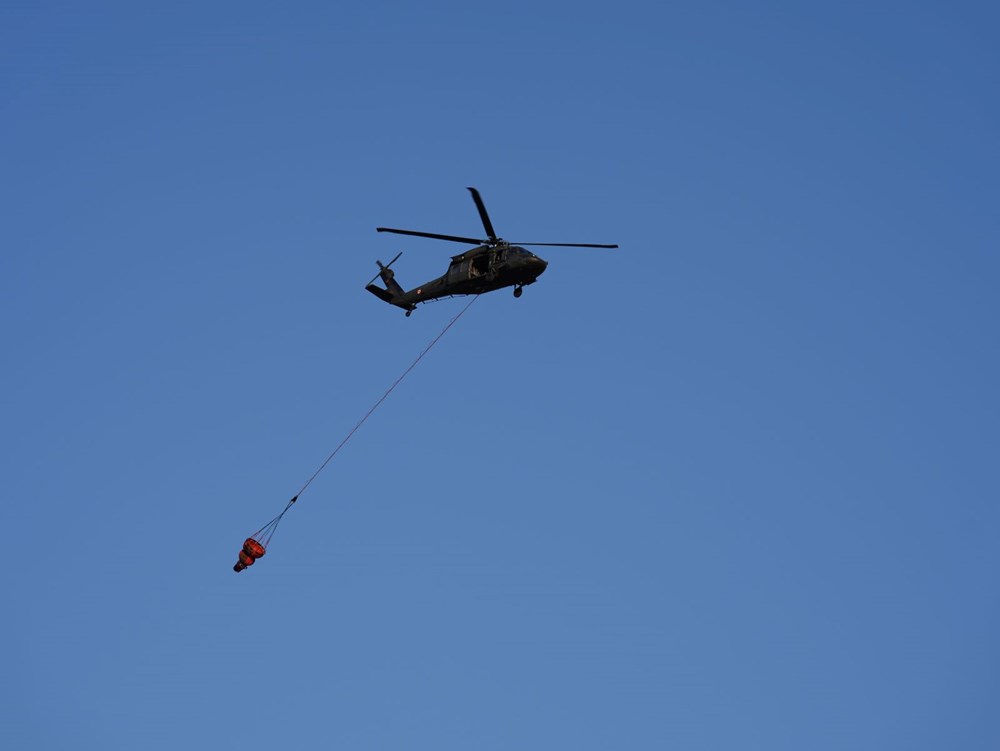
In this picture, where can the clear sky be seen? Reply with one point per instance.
(733, 486)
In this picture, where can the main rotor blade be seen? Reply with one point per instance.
(487, 225)
(568, 245)
(432, 235)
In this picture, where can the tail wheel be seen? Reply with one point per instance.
(518, 291)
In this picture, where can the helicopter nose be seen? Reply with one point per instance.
(538, 265)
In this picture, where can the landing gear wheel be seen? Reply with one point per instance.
(518, 291)
(409, 313)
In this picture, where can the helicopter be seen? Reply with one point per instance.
(493, 264)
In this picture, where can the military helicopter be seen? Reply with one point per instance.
(493, 264)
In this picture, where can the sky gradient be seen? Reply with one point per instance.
(733, 485)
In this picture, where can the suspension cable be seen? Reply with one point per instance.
(381, 399)
(265, 533)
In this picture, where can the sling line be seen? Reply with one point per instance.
(264, 534)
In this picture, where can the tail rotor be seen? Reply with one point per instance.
(392, 291)
(384, 271)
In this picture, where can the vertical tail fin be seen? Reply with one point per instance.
(392, 289)
(389, 278)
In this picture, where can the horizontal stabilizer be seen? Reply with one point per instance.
(382, 294)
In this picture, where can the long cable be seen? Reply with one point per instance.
(384, 396)
(264, 534)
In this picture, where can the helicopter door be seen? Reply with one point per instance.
(480, 265)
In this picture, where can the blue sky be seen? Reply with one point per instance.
(733, 485)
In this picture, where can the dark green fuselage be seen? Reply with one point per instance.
(482, 269)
